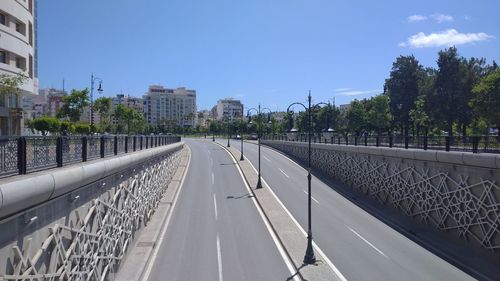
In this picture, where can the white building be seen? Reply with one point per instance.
(229, 109)
(18, 54)
(170, 105)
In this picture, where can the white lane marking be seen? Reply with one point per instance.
(316, 247)
(367, 242)
(283, 173)
(281, 250)
(152, 259)
(213, 178)
(215, 207)
(311, 197)
(267, 159)
(219, 258)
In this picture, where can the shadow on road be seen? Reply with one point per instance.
(248, 195)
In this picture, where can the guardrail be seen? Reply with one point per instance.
(22, 155)
(474, 144)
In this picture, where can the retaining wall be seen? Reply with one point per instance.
(77, 222)
(454, 192)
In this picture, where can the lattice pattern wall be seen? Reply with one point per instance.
(90, 242)
(463, 201)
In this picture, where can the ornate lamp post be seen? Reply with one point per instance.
(309, 257)
(93, 79)
(259, 134)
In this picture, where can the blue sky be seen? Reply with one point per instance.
(267, 51)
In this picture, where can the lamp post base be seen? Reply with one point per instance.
(241, 157)
(213, 138)
(309, 258)
(259, 183)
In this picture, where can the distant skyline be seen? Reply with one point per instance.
(270, 52)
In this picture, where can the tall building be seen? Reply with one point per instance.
(54, 100)
(129, 101)
(18, 54)
(170, 105)
(229, 109)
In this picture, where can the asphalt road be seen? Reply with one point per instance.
(358, 244)
(216, 232)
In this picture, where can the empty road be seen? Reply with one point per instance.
(360, 246)
(216, 231)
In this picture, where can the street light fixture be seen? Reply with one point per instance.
(309, 257)
(93, 79)
(259, 133)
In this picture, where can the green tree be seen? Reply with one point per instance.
(129, 120)
(403, 88)
(418, 115)
(46, 124)
(103, 106)
(448, 86)
(379, 115)
(82, 128)
(486, 101)
(357, 117)
(73, 105)
(9, 84)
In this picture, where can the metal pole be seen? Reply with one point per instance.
(241, 150)
(309, 257)
(259, 184)
(228, 136)
(92, 99)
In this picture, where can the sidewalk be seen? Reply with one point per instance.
(139, 257)
(291, 235)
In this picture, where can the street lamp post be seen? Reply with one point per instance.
(259, 134)
(309, 257)
(228, 134)
(93, 79)
(241, 150)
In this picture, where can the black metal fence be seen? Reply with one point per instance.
(21, 155)
(474, 144)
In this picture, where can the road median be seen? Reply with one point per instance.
(290, 234)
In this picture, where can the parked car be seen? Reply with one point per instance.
(237, 137)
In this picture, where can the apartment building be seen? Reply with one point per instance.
(170, 105)
(18, 54)
(229, 109)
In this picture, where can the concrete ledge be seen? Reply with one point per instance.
(481, 160)
(21, 192)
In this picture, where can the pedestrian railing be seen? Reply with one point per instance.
(474, 144)
(22, 155)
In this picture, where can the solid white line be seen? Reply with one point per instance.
(219, 258)
(167, 222)
(283, 173)
(316, 247)
(215, 207)
(368, 242)
(314, 199)
(212, 178)
(266, 158)
(281, 250)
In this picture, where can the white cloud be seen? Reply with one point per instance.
(342, 89)
(416, 18)
(450, 37)
(440, 18)
(357, 93)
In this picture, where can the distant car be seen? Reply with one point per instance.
(253, 137)
(237, 137)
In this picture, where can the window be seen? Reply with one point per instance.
(31, 34)
(21, 63)
(20, 27)
(3, 19)
(3, 57)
